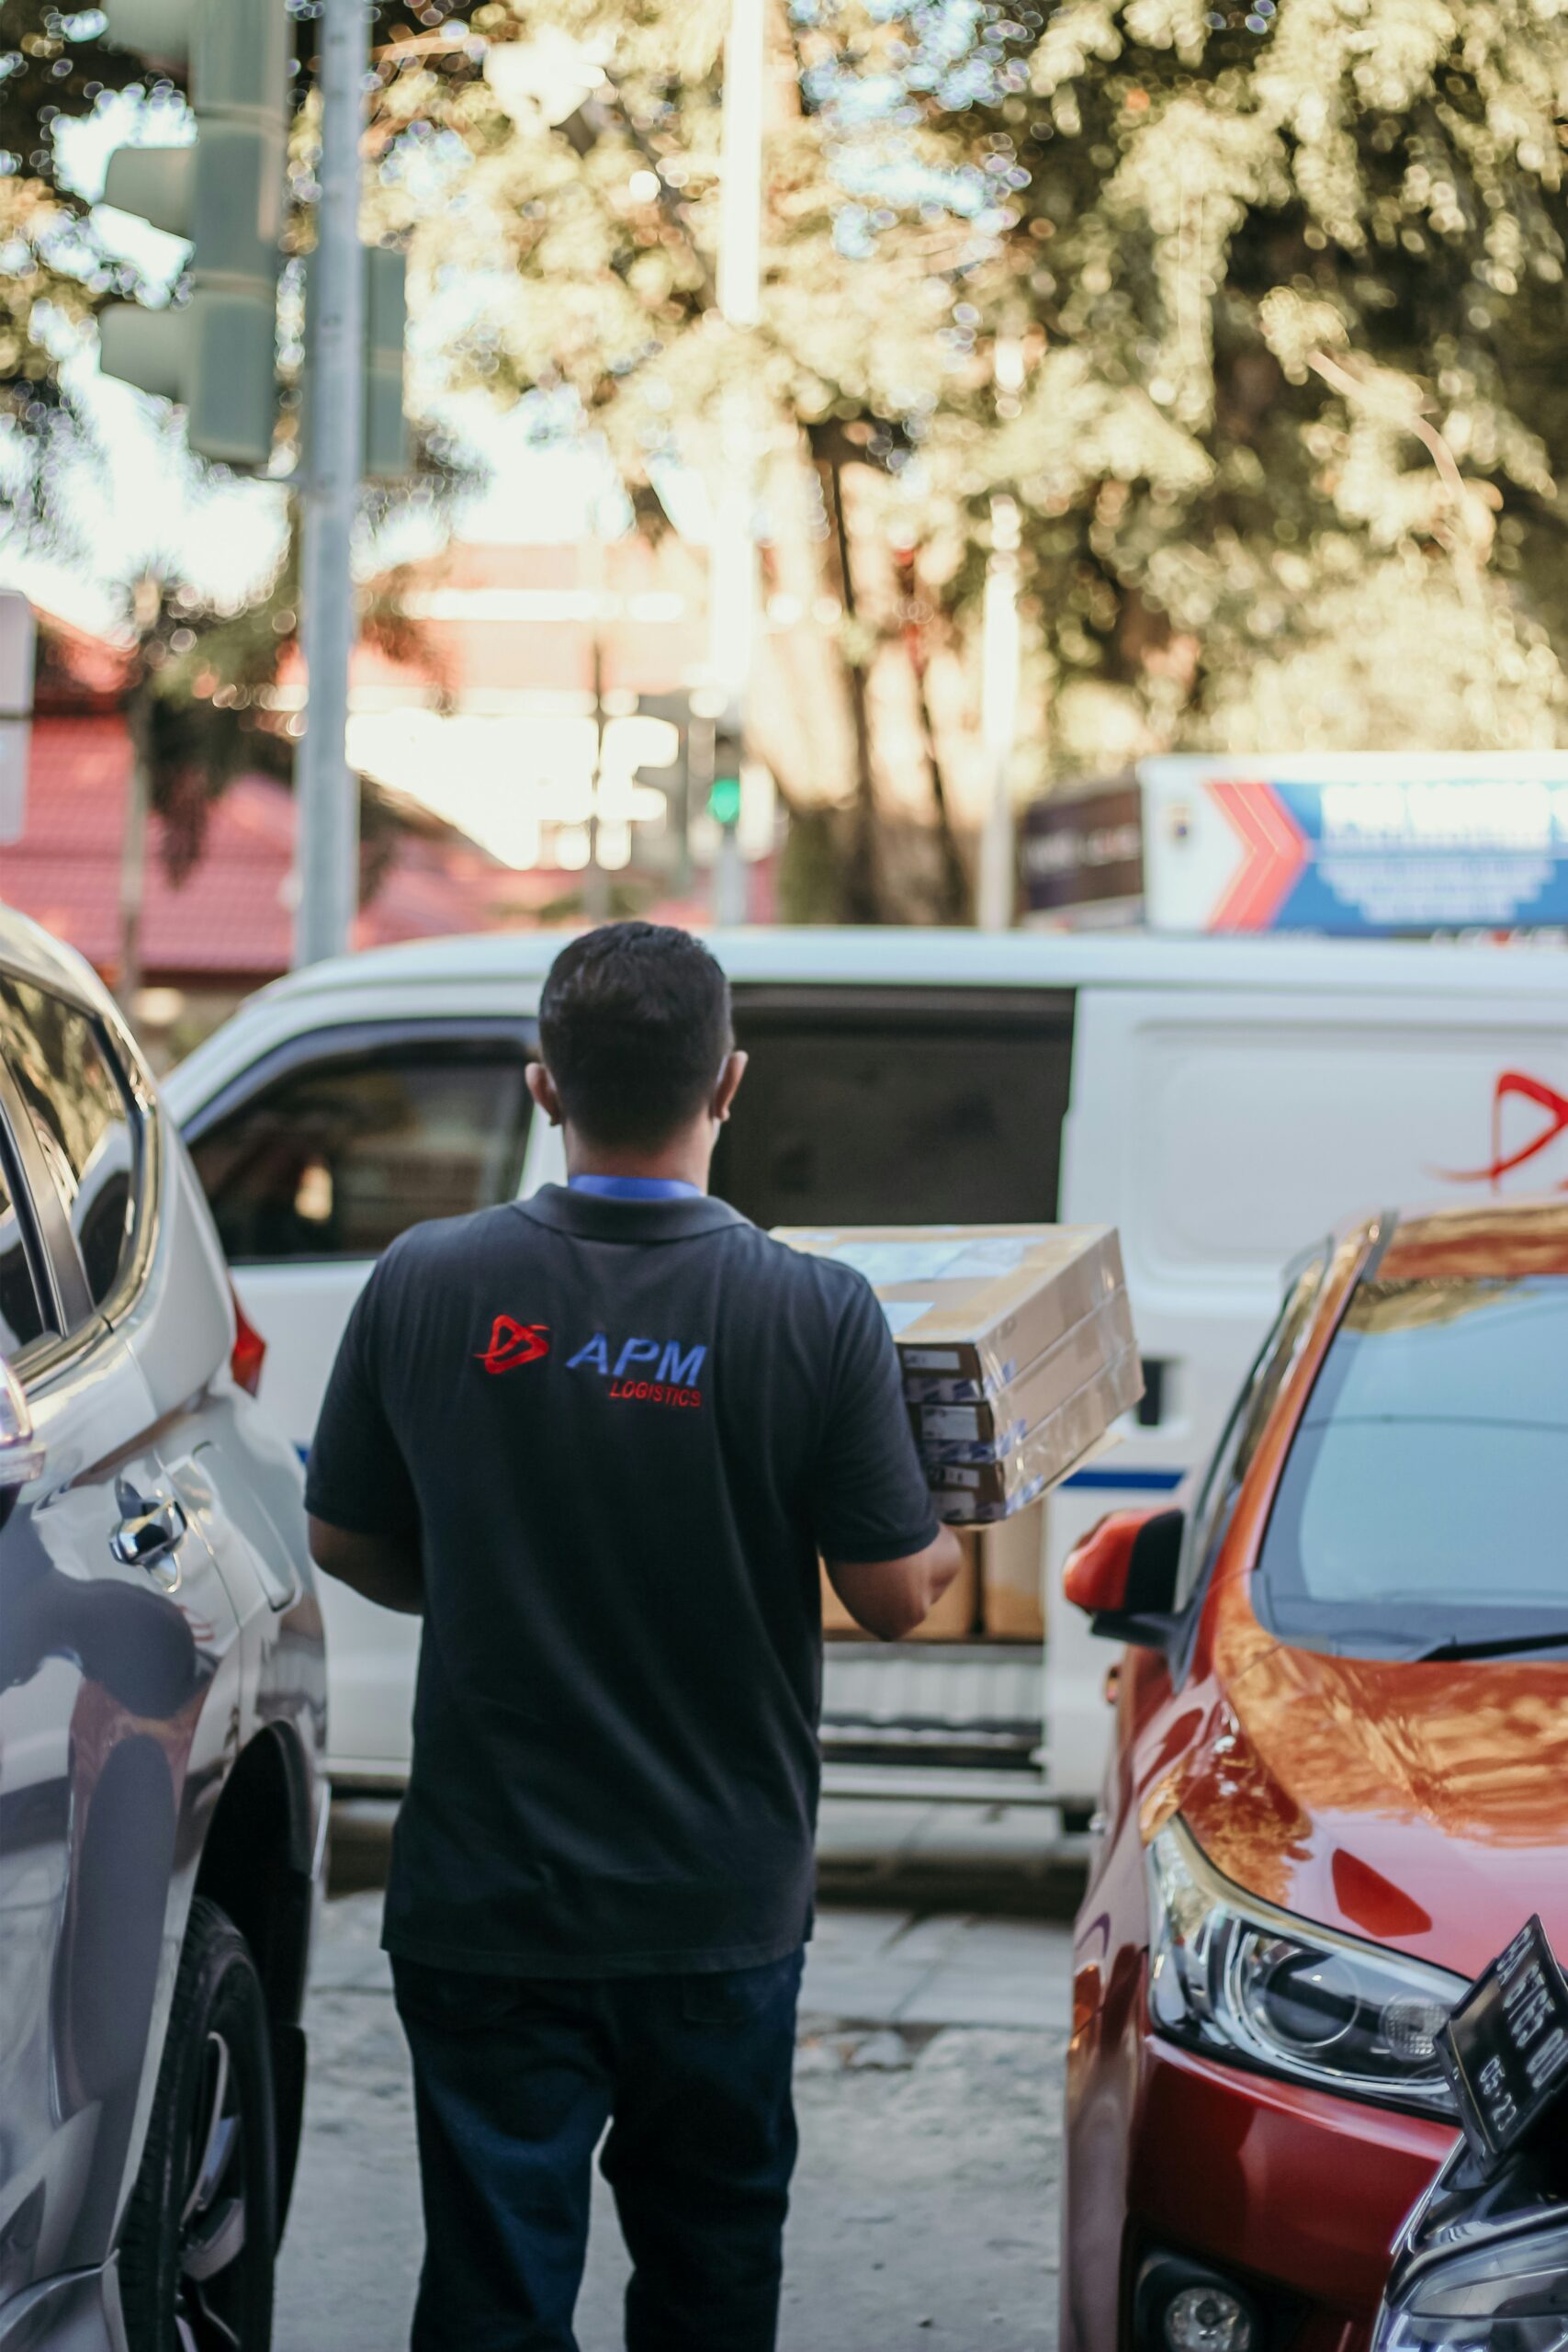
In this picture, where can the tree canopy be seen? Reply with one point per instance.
(1251, 310)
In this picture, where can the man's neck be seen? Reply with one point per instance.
(684, 1160)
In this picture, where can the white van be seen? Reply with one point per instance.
(1222, 1102)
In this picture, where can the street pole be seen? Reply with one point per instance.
(739, 273)
(328, 820)
(19, 654)
(999, 718)
(595, 881)
(732, 568)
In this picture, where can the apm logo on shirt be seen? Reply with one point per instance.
(675, 1382)
(512, 1343)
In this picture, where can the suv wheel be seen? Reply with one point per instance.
(196, 2257)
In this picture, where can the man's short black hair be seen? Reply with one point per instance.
(634, 1027)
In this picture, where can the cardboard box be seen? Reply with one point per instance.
(972, 1305)
(991, 1426)
(953, 1619)
(1016, 1344)
(971, 1493)
(1013, 1576)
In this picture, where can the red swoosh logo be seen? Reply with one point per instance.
(512, 1343)
(1515, 1082)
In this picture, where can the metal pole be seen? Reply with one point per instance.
(595, 881)
(732, 568)
(698, 783)
(999, 712)
(328, 797)
(18, 654)
(740, 164)
(133, 848)
(681, 805)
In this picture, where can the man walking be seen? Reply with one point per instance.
(598, 1438)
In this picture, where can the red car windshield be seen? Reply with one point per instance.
(1425, 1495)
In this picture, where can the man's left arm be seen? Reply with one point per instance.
(364, 1513)
(887, 1557)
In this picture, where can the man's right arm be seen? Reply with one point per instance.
(359, 1495)
(887, 1558)
(890, 1597)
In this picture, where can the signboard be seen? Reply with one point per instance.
(16, 651)
(1505, 2050)
(1359, 845)
(1083, 853)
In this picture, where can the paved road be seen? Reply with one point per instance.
(929, 2078)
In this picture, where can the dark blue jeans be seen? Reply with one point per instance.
(515, 2081)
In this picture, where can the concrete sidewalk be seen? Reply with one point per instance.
(928, 2089)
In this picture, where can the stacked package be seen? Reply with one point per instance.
(1017, 1347)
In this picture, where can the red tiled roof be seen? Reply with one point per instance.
(229, 919)
(230, 922)
(76, 670)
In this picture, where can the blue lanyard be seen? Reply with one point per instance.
(637, 1187)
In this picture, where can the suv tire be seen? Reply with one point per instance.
(196, 2264)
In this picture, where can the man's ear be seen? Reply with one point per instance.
(542, 1086)
(728, 1085)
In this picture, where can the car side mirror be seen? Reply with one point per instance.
(21, 1448)
(1123, 1576)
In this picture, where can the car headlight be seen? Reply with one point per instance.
(1502, 2297)
(1230, 1974)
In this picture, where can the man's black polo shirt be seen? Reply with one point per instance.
(623, 1429)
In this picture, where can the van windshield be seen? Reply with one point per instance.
(1425, 1495)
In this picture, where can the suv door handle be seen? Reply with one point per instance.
(150, 1533)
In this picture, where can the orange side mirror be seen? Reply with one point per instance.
(1099, 1569)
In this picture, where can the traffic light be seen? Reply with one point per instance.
(387, 454)
(216, 352)
(724, 794)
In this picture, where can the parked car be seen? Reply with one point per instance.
(1212, 1098)
(1482, 2265)
(1484, 2258)
(1339, 1772)
(163, 1812)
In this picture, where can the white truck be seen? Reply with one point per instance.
(1222, 1102)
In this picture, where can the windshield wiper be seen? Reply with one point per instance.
(1500, 1646)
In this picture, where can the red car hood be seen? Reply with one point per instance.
(1424, 1806)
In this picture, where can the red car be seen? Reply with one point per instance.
(1339, 1784)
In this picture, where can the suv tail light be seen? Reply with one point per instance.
(250, 1348)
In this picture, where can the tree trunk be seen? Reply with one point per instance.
(863, 878)
(595, 881)
(954, 897)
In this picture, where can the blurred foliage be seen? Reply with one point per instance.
(1290, 427)
(1253, 312)
(54, 266)
(587, 230)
